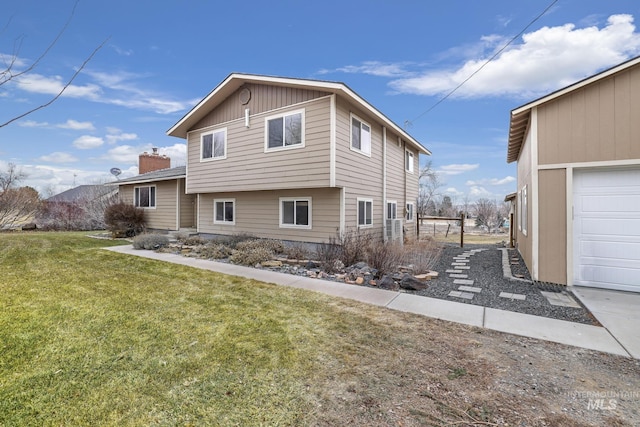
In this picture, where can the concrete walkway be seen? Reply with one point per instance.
(575, 334)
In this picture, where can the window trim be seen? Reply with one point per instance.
(365, 200)
(412, 210)
(213, 142)
(409, 165)
(391, 202)
(136, 197)
(283, 115)
(295, 200)
(362, 122)
(524, 211)
(215, 207)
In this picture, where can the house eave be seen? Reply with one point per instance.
(146, 180)
(235, 80)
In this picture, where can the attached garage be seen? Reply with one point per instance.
(606, 228)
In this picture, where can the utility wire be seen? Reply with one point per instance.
(410, 122)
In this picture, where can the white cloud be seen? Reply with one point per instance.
(491, 181)
(114, 137)
(33, 124)
(545, 60)
(130, 153)
(58, 157)
(457, 169)
(452, 191)
(374, 68)
(476, 192)
(76, 125)
(37, 83)
(86, 142)
(50, 180)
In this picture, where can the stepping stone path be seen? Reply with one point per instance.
(459, 264)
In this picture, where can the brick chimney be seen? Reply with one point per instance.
(152, 162)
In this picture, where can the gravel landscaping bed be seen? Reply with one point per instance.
(487, 274)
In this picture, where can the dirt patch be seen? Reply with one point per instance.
(431, 372)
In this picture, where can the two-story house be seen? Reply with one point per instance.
(297, 159)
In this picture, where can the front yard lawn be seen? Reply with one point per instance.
(90, 337)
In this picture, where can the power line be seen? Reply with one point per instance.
(410, 122)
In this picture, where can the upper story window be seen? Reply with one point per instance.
(360, 136)
(213, 145)
(295, 212)
(284, 131)
(144, 197)
(408, 161)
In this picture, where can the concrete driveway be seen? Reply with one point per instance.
(617, 311)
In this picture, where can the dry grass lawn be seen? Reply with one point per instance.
(90, 337)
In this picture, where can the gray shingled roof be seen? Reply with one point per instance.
(159, 175)
(82, 192)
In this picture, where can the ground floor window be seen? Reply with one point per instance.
(224, 211)
(392, 210)
(410, 209)
(144, 197)
(365, 212)
(295, 212)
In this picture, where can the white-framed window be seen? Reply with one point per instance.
(284, 131)
(213, 145)
(145, 197)
(519, 210)
(392, 209)
(408, 161)
(524, 210)
(360, 136)
(224, 211)
(295, 212)
(365, 213)
(410, 212)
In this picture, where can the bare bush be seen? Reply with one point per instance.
(273, 246)
(296, 251)
(421, 255)
(328, 255)
(214, 250)
(385, 256)
(353, 245)
(124, 219)
(250, 255)
(233, 240)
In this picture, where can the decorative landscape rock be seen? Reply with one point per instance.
(411, 283)
(271, 263)
(387, 282)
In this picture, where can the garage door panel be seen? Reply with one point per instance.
(606, 227)
(610, 252)
(611, 227)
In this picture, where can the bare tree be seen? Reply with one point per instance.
(17, 205)
(487, 215)
(11, 71)
(430, 184)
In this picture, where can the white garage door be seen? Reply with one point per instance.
(606, 229)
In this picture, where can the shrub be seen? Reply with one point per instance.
(250, 256)
(124, 219)
(353, 246)
(233, 240)
(385, 257)
(150, 241)
(422, 255)
(192, 240)
(273, 246)
(215, 250)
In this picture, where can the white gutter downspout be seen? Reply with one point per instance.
(384, 183)
(534, 199)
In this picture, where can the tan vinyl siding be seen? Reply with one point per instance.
(595, 123)
(264, 98)
(164, 215)
(247, 166)
(524, 242)
(257, 213)
(552, 226)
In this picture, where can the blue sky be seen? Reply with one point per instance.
(162, 57)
